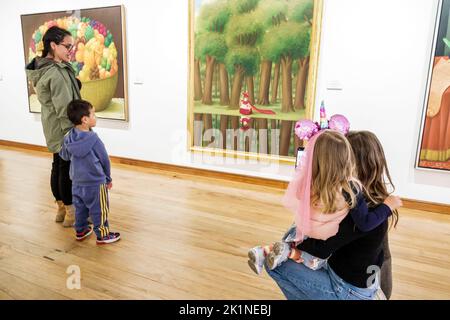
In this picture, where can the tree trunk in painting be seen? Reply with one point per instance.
(262, 135)
(251, 89)
(197, 81)
(198, 131)
(216, 80)
(273, 149)
(235, 99)
(276, 79)
(286, 84)
(302, 75)
(237, 87)
(224, 90)
(207, 92)
(235, 126)
(285, 137)
(207, 121)
(264, 84)
(250, 137)
(273, 124)
(297, 143)
(223, 129)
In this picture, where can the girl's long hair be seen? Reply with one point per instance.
(372, 168)
(333, 172)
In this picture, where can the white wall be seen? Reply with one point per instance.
(378, 51)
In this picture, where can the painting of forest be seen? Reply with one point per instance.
(260, 49)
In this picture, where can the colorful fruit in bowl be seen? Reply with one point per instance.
(94, 58)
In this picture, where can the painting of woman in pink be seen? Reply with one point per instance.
(435, 144)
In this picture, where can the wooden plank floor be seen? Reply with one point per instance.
(184, 237)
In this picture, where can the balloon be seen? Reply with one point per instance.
(339, 123)
(305, 129)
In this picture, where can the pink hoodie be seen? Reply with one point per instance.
(323, 226)
(309, 220)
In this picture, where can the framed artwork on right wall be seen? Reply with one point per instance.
(434, 143)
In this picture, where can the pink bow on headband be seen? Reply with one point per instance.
(305, 129)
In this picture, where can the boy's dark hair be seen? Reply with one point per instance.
(77, 109)
(54, 34)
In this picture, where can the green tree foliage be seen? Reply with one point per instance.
(214, 17)
(244, 30)
(245, 57)
(302, 11)
(211, 23)
(290, 39)
(243, 6)
(271, 12)
(210, 44)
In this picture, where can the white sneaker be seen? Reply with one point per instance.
(278, 255)
(256, 259)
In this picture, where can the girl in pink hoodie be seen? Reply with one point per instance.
(323, 191)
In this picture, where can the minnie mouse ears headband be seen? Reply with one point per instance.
(305, 129)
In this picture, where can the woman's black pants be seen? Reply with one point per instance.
(60, 180)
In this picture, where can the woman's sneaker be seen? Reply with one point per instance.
(110, 238)
(84, 234)
(256, 259)
(278, 255)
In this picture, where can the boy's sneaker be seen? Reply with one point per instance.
(278, 255)
(84, 234)
(110, 238)
(256, 259)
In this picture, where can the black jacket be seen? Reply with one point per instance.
(354, 253)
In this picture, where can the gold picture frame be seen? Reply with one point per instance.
(309, 100)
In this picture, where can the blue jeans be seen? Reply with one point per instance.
(297, 282)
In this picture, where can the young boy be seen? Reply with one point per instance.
(90, 173)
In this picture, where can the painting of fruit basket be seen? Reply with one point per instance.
(253, 70)
(98, 57)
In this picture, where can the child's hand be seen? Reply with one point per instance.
(109, 186)
(393, 202)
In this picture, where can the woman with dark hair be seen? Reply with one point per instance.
(374, 174)
(55, 84)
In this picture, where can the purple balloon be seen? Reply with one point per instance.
(339, 123)
(305, 129)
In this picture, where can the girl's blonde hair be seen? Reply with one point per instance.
(372, 168)
(333, 171)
